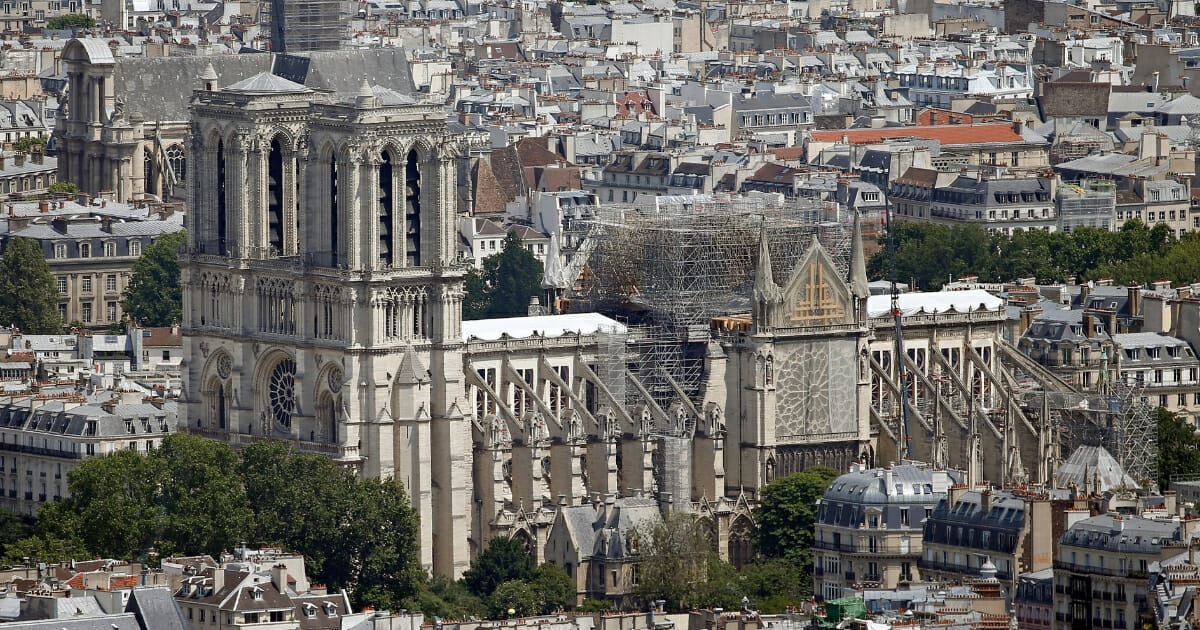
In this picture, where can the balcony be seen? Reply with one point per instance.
(28, 496)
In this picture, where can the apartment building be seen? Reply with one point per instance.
(45, 436)
(869, 523)
(1102, 567)
(971, 528)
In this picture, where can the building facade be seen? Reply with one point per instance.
(869, 523)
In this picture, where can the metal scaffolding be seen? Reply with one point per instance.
(304, 25)
(668, 267)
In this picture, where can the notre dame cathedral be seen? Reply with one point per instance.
(323, 306)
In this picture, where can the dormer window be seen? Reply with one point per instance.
(330, 609)
(310, 611)
(256, 593)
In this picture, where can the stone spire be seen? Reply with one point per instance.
(767, 295)
(365, 96)
(858, 264)
(209, 77)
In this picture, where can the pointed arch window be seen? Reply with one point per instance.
(412, 211)
(275, 232)
(221, 208)
(387, 202)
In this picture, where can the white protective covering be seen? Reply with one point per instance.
(935, 302)
(543, 325)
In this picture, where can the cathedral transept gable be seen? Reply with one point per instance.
(815, 294)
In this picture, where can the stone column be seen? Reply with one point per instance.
(371, 208)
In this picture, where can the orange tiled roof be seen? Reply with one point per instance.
(946, 134)
(122, 581)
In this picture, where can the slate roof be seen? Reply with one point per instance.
(155, 608)
(1088, 461)
(160, 88)
(1068, 98)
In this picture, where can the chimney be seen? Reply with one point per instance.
(59, 224)
(1017, 127)
(218, 579)
(1028, 314)
(36, 156)
(1089, 326)
(1135, 300)
(43, 206)
(985, 500)
(279, 577)
(1085, 290)
(19, 159)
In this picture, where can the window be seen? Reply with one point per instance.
(62, 284)
(60, 250)
(110, 312)
(87, 313)
(177, 161)
(110, 282)
(110, 249)
(135, 248)
(85, 284)
(85, 250)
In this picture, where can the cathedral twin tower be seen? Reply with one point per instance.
(322, 296)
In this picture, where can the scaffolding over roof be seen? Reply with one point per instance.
(670, 265)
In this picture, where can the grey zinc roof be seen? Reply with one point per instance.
(156, 608)
(1114, 532)
(867, 486)
(124, 621)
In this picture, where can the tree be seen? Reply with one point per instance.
(1177, 447)
(47, 549)
(28, 292)
(553, 588)
(203, 493)
(505, 284)
(26, 145)
(383, 557)
(444, 598)
(153, 297)
(64, 187)
(787, 511)
(674, 555)
(513, 598)
(71, 20)
(503, 560)
(114, 508)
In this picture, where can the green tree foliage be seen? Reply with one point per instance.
(515, 596)
(554, 589)
(444, 598)
(26, 145)
(505, 284)
(71, 20)
(787, 510)
(674, 559)
(1178, 447)
(595, 606)
(202, 495)
(193, 496)
(153, 297)
(43, 549)
(28, 292)
(64, 187)
(928, 255)
(503, 560)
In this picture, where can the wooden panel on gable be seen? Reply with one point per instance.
(816, 294)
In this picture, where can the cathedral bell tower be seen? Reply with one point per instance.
(322, 295)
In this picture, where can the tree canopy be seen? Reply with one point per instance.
(193, 496)
(787, 511)
(1178, 447)
(503, 560)
(70, 20)
(674, 559)
(153, 297)
(503, 286)
(928, 255)
(28, 292)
